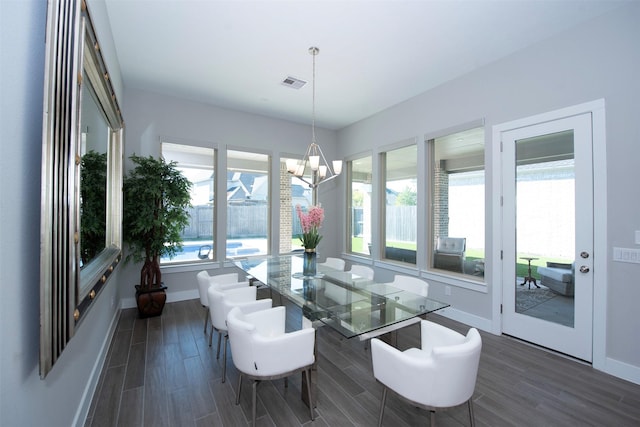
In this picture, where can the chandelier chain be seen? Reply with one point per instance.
(320, 170)
(314, 51)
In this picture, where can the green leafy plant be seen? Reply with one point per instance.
(93, 195)
(156, 196)
(407, 197)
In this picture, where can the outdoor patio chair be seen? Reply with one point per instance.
(449, 253)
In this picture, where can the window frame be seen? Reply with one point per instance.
(197, 146)
(380, 252)
(225, 206)
(349, 205)
(450, 277)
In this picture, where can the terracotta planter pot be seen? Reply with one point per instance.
(151, 301)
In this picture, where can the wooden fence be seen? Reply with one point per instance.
(252, 221)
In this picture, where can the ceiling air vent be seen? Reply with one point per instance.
(292, 82)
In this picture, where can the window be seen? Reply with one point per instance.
(400, 210)
(457, 202)
(292, 192)
(359, 205)
(197, 165)
(248, 210)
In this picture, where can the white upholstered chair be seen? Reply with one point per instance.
(341, 295)
(222, 301)
(449, 253)
(222, 281)
(406, 283)
(441, 374)
(335, 263)
(262, 350)
(411, 284)
(363, 271)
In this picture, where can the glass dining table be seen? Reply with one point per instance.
(350, 304)
(346, 302)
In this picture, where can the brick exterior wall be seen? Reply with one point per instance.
(285, 209)
(440, 202)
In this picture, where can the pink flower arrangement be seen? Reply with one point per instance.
(310, 223)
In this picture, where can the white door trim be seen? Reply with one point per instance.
(597, 110)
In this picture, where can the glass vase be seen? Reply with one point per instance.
(309, 262)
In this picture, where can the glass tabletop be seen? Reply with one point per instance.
(347, 302)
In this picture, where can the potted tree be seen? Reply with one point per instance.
(156, 196)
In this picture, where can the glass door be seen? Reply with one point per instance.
(545, 227)
(548, 234)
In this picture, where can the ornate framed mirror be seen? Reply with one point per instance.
(81, 177)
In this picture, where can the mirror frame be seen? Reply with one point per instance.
(67, 292)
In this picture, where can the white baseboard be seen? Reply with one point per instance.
(90, 388)
(449, 312)
(612, 367)
(466, 318)
(171, 297)
(622, 370)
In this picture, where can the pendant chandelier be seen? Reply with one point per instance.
(314, 164)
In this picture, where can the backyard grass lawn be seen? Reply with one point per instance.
(357, 245)
(471, 254)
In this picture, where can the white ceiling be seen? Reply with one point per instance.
(373, 54)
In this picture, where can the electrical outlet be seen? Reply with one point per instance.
(447, 290)
(637, 237)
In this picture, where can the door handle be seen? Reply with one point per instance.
(584, 269)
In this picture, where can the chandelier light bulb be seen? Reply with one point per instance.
(292, 165)
(337, 167)
(314, 162)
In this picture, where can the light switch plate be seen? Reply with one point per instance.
(637, 237)
(626, 255)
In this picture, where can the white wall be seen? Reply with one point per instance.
(600, 59)
(150, 117)
(25, 399)
(596, 60)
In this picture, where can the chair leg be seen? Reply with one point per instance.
(206, 320)
(382, 403)
(433, 419)
(306, 373)
(472, 418)
(210, 335)
(253, 403)
(238, 388)
(224, 358)
(218, 351)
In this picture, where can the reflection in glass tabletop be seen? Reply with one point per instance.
(347, 302)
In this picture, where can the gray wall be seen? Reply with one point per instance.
(598, 60)
(151, 117)
(25, 399)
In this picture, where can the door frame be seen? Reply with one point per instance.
(600, 275)
(575, 340)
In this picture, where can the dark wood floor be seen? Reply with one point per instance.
(161, 372)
